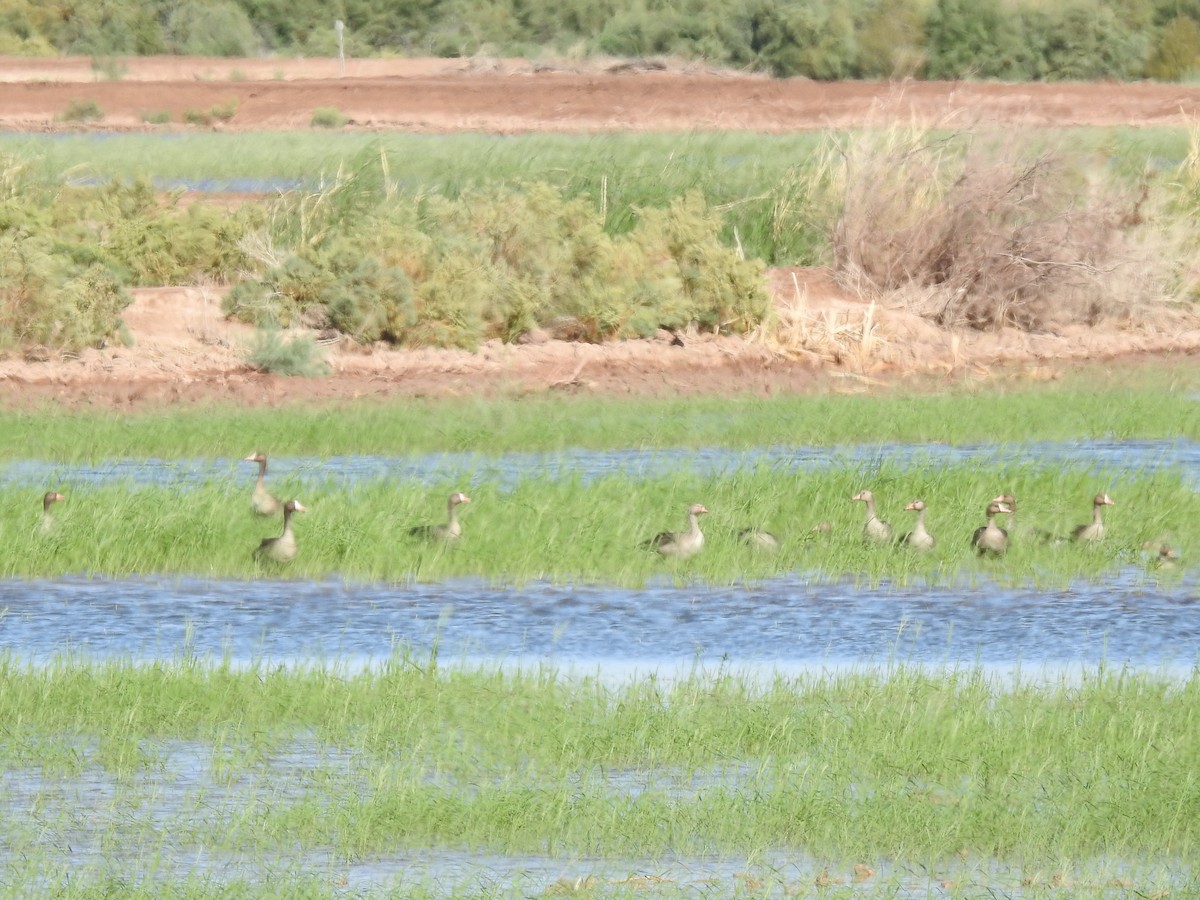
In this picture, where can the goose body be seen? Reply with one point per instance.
(758, 539)
(48, 500)
(282, 549)
(875, 531)
(919, 538)
(1093, 531)
(682, 544)
(451, 529)
(991, 538)
(262, 501)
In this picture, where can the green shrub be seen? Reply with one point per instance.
(219, 28)
(1178, 52)
(224, 111)
(298, 355)
(81, 111)
(975, 38)
(197, 117)
(157, 117)
(1081, 41)
(47, 300)
(328, 117)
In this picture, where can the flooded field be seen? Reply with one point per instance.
(177, 814)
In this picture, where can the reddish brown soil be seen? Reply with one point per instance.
(186, 352)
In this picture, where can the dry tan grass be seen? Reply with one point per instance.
(975, 230)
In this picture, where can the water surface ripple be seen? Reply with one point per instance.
(783, 622)
(510, 468)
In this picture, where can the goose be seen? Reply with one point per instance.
(681, 544)
(1094, 530)
(451, 530)
(282, 548)
(262, 502)
(48, 500)
(876, 530)
(918, 538)
(758, 539)
(991, 538)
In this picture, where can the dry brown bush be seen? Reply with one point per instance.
(977, 230)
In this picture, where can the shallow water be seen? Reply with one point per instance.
(509, 469)
(785, 622)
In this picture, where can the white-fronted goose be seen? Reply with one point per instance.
(919, 538)
(48, 500)
(758, 539)
(451, 530)
(262, 501)
(1094, 530)
(282, 548)
(875, 530)
(681, 544)
(991, 538)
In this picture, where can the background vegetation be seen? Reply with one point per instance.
(969, 228)
(823, 39)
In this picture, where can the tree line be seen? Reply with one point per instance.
(1018, 40)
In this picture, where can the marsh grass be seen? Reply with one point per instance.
(1153, 403)
(568, 529)
(892, 764)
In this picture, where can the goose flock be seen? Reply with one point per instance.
(988, 540)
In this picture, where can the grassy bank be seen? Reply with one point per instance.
(1150, 402)
(929, 769)
(569, 528)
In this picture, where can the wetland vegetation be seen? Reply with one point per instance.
(950, 770)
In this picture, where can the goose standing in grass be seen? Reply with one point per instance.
(681, 544)
(876, 530)
(48, 500)
(1093, 531)
(282, 548)
(991, 538)
(262, 501)
(451, 530)
(759, 539)
(919, 538)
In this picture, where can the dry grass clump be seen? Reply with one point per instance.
(977, 230)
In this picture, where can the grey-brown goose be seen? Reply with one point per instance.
(451, 529)
(48, 500)
(1093, 531)
(282, 548)
(875, 530)
(681, 544)
(991, 538)
(919, 538)
(262, 501)
(758, 539)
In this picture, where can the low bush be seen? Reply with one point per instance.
(328, 117)
(157, 117)
(272, 353)
(81, 111)
(46, 299)
(497, 262)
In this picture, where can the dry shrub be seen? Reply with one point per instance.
(976, 230)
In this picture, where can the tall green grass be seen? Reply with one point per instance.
(901, 765)
(1147, 403)
(568, 529)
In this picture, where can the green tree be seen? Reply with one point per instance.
(974, 38)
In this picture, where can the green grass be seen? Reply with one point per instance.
(937, 769)
(566, 529)
(1147, 403)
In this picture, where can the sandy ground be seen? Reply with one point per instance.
(826, 339)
